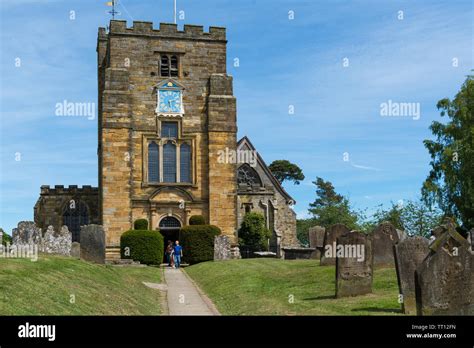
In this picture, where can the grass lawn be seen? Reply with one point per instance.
(266, 287)
(45, 287)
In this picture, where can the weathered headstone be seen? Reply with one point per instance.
(93, 243)
(27, 233)
(316, 240)
(384, 237)
(354, 265)
(57, 243)
(445, 279)
(222, 248)
(330, 240)
(76, 250)
(409, 255)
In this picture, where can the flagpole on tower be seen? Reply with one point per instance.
(174, 11)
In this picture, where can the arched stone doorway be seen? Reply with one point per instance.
(169, 227)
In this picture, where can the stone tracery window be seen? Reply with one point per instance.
(75, 215)
(246, 175)
(169, 158)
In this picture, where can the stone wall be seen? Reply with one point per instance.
(53, 202)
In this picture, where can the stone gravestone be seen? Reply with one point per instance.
(93, 243)
(330, 239)
(57, 243)
(316, 240)
(384, 237)
(445, 279)
(222, 248)
(354, 265)
(76, 250)
(27, 233)
(409, 254)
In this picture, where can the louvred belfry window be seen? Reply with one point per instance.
(169, 66)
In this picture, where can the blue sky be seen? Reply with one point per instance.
(283, 62)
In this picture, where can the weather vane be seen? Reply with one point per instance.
(112, 11)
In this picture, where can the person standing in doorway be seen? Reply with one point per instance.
(178, 253)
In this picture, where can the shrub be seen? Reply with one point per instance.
(140, 224)
(197, 220)
(198, 242)
(253, 233)
(6, 239)
(143, 245)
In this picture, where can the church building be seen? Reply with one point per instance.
(167, 143)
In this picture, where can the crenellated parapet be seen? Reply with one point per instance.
(71, 190)
(167, 30)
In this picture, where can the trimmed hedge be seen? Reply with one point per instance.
(197, 220)
(143, 245)
(198, 242)
(140, 224)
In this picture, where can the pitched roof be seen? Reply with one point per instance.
(276, 183)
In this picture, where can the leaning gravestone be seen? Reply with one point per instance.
(385, 236)
(409, 254)
(222, 248)
(445, 279)
(93, 243)
(354, 269)
(316, 240)
(328, 257)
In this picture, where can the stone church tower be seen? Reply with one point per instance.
(166, 107)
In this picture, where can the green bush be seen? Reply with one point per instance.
(6, 239)
(140, 224)
(253, 233)
(198, 242)
(197, 220)
(143, 245)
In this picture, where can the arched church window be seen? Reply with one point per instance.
(169, 162)
(185, 163)
(153, 162)
(75, 215)
(246, 175)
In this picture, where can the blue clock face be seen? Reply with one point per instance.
(170, 101)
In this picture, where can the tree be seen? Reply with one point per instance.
(302, 228)
(330, 208)
(392, 215)
(450, 182)
(253, 233)
(415, 217)
(419, 219)
(285, 170)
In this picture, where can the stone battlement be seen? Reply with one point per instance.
(72, 189)
(168, 30)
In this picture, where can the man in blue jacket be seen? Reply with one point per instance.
(178, 253)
